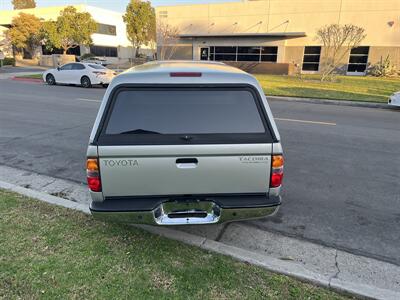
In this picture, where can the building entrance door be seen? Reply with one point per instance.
(204, 53)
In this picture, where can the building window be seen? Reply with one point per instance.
(269, 54)
(248, 53)
(104, 51)
(312, 55)
(225, 53)
(358, 60)
(212, 53)
(106, 29)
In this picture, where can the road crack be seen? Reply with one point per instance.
(335, 276)
(336, 265)
(221, 233)
(48, 183)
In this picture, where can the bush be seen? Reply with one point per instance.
(384, 68)
(9, 61)
(87, 56)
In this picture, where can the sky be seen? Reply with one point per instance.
(117, 5)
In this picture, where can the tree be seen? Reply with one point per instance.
(338, 40)
(70, 30)
(22, 4)
(4, 38)
(140, 22)
(167, 40)
(25, 33)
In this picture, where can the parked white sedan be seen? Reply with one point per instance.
(84, 74)
(394, 99)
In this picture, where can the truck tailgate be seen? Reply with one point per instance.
(184, 169)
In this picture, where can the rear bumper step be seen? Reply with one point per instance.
(180, 212)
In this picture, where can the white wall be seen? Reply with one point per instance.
(266, 16)
(100, 15)
(110, 18)
(125, 49)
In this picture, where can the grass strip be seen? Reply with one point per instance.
(356, 88)
(34, 76)
(50, 252)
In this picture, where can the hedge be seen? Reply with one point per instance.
(9, 61)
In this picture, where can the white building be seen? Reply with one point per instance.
(278, 37)
(110, 40)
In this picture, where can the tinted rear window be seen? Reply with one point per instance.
(185, 112)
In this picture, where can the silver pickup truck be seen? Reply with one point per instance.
(183, 142)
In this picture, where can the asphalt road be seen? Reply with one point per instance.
(342, 172)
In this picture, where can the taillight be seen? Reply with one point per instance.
(93, 174)
(276, 171)
(99, 73)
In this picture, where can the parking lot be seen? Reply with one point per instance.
(342, 168)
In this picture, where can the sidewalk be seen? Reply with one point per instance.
(11, 75)
(324, 266)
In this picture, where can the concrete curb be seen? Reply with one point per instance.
(44, 197)
(33, 80)
(332, 102)
(272, 264)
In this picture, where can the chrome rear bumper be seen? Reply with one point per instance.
(185, 213)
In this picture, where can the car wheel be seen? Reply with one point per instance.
(105, 85)
(85, 82)
(50, 80)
